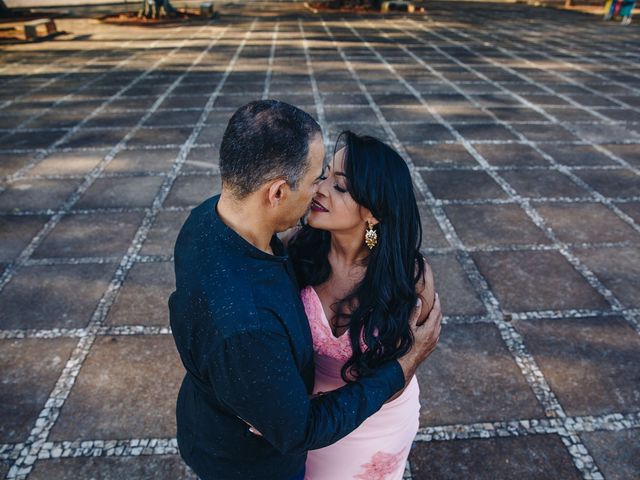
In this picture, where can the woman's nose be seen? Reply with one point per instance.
(322, 187)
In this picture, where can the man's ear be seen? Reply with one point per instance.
(278, 190)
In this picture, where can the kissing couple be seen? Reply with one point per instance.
(301, 343)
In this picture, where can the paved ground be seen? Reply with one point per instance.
(522, 130)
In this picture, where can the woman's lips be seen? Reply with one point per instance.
(316, 207)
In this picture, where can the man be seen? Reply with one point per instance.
(238, 320)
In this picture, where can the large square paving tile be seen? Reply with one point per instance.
(545, 133)
(533, 280)
(137, 161)
(212, 134)
(543, 183)
(628, 152)
(490, 225)
(16, 233)
(349, 114)
(617, 454)
(612, 183)
(120, 192)
(100, 234)
(144, 467)
(162, 237)
(422, 132)
(577, 155)
(485, 131)
(159, 136)
(525, 458)
(618, 269)
(144, 296)
(127, 388)
(29, 369)
(11, 162)
(472, 377)
(25, 195)
(516, 154)
(68, 163)
(586, 222)
(439, 154)
(632, 209)
(173, 118)
(191, 190)
(95, 138)
(20, 140)
(201, 159)
(417, 113)
(58, 296)
(452, 284)
(590, 363)
(462, 185)
(432, 235)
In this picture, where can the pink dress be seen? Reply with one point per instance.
(379, 447)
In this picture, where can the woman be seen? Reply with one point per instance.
(361, 270)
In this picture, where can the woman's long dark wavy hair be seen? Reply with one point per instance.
(379, 180)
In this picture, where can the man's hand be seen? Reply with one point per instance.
(426, 336)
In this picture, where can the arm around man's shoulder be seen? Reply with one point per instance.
(425, 288)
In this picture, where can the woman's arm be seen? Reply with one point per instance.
(425, 289)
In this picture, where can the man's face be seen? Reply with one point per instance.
(299, 200)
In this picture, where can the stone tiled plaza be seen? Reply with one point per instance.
(521, 127)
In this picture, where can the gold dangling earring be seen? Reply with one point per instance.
(370, 236)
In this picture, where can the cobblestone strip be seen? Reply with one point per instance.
(512, 338)
(272, 54)
(120, 330)
(109, 448)
(20, 173)
(424, 142)
(512, 428)
(535, 426)
(48, 416)
(317, 98)
(547, 89)
(25, 255)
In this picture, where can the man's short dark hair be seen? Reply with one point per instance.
(265, 140)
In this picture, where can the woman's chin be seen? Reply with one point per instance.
(314, 221)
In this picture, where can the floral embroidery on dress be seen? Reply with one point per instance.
(324, 343)
(381, 466)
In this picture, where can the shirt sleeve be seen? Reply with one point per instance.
(254, 374)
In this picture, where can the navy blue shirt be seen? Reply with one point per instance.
(243, 337)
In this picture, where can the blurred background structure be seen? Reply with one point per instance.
(521, 127)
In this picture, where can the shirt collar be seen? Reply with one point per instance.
(235, 240)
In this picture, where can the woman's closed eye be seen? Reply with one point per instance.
(339, 188)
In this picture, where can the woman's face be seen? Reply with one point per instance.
(333, 208)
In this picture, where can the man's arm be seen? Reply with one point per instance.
(255, 376)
